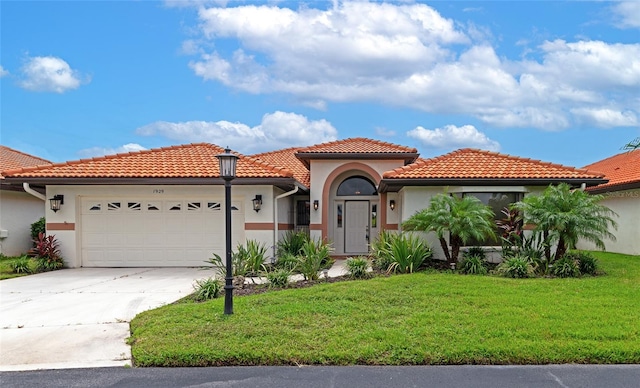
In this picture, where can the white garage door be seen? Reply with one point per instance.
(128, 232)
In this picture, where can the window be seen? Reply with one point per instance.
(339, 216)
(303, 211)
(374, 216)
(497, 202)
(357, 185)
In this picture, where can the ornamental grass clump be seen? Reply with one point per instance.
(408, 253)
(473, 265)
(315, 254)
(566, 267)
(515, 267)
(279, 278)
(357, 267)
(206, 289)
(21, 265)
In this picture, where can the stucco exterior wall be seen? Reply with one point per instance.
(258, 225)
(626, 204)
(325, 174)
(18, 210)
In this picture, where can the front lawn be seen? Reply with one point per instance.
(422, 318)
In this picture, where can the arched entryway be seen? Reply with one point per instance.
(354, 214)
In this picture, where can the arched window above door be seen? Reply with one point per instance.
(357, 185)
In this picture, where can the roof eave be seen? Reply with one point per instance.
(615, 187)
(283, 183)
(394, 185)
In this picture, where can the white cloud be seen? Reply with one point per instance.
(452, 137)
(385, 132)
(627, 14)
(408, 55)
(277, 130)
(3, 72)
(606, 118)
(100, 151)
(49, 74)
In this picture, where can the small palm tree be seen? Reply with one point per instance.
(632, 145)
(465, 218)
(565, 215)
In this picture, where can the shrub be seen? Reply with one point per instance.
(287, 261)
(249, 260)
(515, 267)
(292, 243)
(473, 265)
(357, 267)
(21, 265)
(408, 253)
(380, 251)
(207, 289)
(47, 253)
(279, 277)
(315, 253)
(38, 227)
(587, 264)
(566, 267)
(475, 252)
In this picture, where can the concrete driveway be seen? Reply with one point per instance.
(80, 317)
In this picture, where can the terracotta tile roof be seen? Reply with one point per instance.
(477, 164)
(286, 158)
(621, 170)
(183, 161)
(11, 159)
(357, 145)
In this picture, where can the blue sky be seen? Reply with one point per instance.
(557, 81)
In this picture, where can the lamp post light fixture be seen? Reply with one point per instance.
(228, 163)
(56, 201)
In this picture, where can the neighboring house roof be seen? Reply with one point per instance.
(357, 148)
(183, 164)
(471, 166)
(11, 159)
(287, 158)
(622, 171)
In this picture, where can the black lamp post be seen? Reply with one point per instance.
(228, 172)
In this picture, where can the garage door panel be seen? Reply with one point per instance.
(127, 232)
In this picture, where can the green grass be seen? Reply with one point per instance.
(421, 318)
(5, 268)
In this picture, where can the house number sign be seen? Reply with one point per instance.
(158, 191)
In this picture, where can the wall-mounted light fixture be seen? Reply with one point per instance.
(392, 204)
(56, 201)
(257, 203)
(316, 204)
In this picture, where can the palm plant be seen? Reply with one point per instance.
(465, 218)
(632, 145)
(564, 216)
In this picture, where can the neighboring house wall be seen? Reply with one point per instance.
(67, 226)
(626, 204)
(414, 199)
(18, 210)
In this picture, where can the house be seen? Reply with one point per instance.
(163, 207)
(18, 209)
(622, 195)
